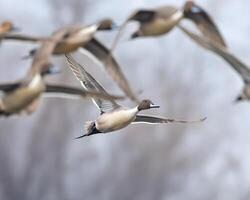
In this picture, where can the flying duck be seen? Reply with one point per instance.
(113, 116)
(23, 96)
(83, 36)
(159, 21)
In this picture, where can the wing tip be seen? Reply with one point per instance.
(203, 119)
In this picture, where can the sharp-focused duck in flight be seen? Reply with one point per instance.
(112, 115)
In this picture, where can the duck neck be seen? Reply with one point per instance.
(136, 109)
(87, 31)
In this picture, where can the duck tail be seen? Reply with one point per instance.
(90, 129)
(89, 126)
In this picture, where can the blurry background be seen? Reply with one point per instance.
(39, 158)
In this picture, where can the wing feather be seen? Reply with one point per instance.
(89, 83)
(158, 120)
(237, 64)
(203, 22)
(113, 68)
(77, 92)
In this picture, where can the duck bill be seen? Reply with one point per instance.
(115, 26)
(154, 106)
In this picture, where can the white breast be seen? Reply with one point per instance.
(112, 121)
(35, 81)
(177, 16)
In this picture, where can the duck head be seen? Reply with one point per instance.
(146, 104)
(190, 7)
(107, 24)
(9, 26)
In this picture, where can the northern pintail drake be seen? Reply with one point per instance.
(23, 96)
(159, 21)
(113, 116)
(6, 27)
(240, 67)
(75, 37)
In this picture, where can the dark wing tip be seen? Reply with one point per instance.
(203, 119)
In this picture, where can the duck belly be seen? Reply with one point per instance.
(67, 47)
(108, 122)
(71, 44)
(19, 100)
(157, 27)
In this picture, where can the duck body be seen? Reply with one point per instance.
(161, 24)
(115, 120)
(23, 97)
(75, 38)
(158, 27)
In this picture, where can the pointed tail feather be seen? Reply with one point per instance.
(90, 129)
(88, 126)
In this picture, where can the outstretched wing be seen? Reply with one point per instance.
(204, 22)
(67, 90)
(238, 65)
(41, 60)
(139, 15)
(103, 55)
(23, 37)
(158, 120)
(89, 83)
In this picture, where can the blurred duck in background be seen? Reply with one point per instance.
(163, 19)
(23, 96)
(76, 37)
(113, 116)
(159, 21)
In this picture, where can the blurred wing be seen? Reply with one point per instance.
(22, 37)
(238, 66)
(78, 92)
(204, 23)
(112, 67)
(158, 120)
(43, 53)
(117, 37)
(9, 87)
(143, 15)
(89, 83)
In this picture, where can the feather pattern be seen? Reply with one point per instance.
(89, 83)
